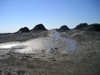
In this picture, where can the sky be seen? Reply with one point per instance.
(15, 14)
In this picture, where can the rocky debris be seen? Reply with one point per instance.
(39, 27)
(94, 27)
(8, 73)
(21, 72)
(63, 28)
(11, 72)
(81, 26)
(23, 30)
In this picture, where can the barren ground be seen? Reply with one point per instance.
(59, 53)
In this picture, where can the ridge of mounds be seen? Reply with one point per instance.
(85, 26)
(81, 26)
(39, 27)
(63, 28)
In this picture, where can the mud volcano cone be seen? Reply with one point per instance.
(39, 27)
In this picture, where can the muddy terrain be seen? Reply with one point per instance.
(74, 52)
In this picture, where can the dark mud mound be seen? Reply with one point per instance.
(39, 27)
(63, 28)
(94, 27)
(81, 26)
(23, 30)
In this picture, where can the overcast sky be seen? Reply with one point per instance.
(15, 14)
